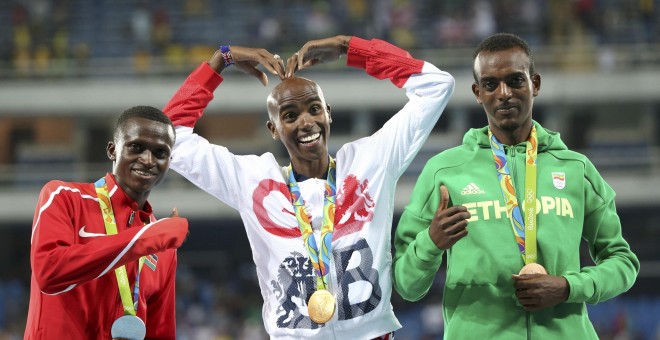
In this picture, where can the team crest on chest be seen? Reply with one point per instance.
(559, 180)
(355, 207)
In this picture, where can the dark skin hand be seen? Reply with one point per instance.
(247, 59)
(540, 291)
(317, 52)
(449, 225)
(534, 291)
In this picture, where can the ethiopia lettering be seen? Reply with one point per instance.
(545, 205)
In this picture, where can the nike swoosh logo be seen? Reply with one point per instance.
(83, 233)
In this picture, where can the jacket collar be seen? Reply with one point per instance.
(547, 139)
(119, 197)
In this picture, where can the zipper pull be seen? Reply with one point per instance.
(130, 219)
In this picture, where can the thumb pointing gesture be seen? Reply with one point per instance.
(444, 199)
(449, 224)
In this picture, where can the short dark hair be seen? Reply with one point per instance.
(141, 111)
(501, 42)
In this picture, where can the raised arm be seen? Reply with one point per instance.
(378, 58)
(211, 167)
(316, 52)
(190, 100)
(428, 90)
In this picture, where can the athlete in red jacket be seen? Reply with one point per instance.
(75, 250)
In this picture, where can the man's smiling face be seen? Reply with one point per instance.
(141, 153)
(505, 88)
(300, 118)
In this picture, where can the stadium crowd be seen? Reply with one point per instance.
(64, 37)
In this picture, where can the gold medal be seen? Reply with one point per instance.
(321, 306)
(533, 268)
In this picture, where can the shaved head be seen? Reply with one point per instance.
(289, 89)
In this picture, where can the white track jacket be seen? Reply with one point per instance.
(367, 172)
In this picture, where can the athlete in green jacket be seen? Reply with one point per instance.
(458, 206)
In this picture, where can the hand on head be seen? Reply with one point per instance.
(247, 59)
(316, 52)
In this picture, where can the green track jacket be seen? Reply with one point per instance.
(574, 203)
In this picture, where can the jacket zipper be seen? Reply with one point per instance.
(511, 152)
(130, 219)
(529, 325)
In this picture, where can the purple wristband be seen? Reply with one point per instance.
(226, 55)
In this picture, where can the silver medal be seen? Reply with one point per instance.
(129, 327)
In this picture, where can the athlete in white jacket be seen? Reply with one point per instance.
(353, 263)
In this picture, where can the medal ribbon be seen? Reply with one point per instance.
(130, 307)
(523, 230)
(320, 260)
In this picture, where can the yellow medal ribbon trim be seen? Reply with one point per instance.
(111, 229)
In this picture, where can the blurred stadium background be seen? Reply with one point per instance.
(68, 67)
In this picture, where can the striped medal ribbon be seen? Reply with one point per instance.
(524, 230)
(321, 305)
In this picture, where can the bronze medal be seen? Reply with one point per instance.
(321, 306)
(532, 268)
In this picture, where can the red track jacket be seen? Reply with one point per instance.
(74, 292)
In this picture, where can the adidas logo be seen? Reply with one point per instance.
(472, 189)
